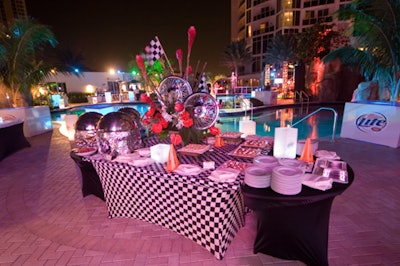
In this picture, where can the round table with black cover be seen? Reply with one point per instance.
(91, 184)
(294, 227)
(12, 138)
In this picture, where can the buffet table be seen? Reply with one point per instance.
(12, 137)
(207, 212)
(294, 227)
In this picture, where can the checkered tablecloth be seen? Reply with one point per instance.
(207, 212)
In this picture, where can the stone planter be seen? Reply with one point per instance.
(37, 119)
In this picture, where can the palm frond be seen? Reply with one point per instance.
(375, 29)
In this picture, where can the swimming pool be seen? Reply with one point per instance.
(57, 115)
(319, 125)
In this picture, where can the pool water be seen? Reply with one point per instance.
(103, 109)
(319, 125)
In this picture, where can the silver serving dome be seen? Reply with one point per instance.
(117, 134)
(88, 121)
(115, 122)
(133, 114)
(85, 129)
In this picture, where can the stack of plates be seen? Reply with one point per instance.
(257, 177)
(286, 180)
(293, 163)
(266, 161)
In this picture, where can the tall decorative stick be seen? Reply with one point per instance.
(141, 65)
(191, 37)
(201, 74)
(179, 57)
(195, 70)
(166, 57)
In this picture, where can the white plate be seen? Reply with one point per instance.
(188, 169)
(85, 153)
(224, 175)
(128, 156)
(144, 152)
(141, 162)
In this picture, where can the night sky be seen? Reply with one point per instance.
(110, 34)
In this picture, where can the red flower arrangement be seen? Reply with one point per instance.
(162, 119)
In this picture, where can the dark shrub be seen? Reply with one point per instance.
(256, 102)
(78, 97)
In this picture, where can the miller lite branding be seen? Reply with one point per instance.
(372, 122)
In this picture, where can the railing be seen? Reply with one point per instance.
(247, 104)
(316, 111)
(300, 94)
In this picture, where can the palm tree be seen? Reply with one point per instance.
(314, 42)
(67, 60)
(312, 45)
(281, 51)
(21, 62)
(375, 32)
(237, 54)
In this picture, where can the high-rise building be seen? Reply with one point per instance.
(11, 10)
(258, 21)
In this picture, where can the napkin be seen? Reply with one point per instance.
(127, 158)
(327, 154)
(224, 175)
(141, 162)
(317, 182)
(145, 152)
(188, 169)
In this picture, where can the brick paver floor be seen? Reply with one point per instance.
(46, 221)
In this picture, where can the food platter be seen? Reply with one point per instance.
(194, 149)
(245, 152)
(232, 137)
(85, 151)
(241, 166)
(231, 134)
(255, 143)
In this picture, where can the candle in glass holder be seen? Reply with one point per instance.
(247, 127)
(285, 142)
(159, 152)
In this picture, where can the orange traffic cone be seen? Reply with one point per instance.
(218, 141)
(172, 162)
(307, 154)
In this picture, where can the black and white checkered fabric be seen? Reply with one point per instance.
(207, 212)
(203, 83)
(154, 51)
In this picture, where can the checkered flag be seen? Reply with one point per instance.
(154, 51)
(203, 83)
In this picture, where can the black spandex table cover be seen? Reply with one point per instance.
(294, 227)
(91, 184)
(12, 138)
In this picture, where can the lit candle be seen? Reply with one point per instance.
(247, 127)
(285, 142)
(159, 152)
